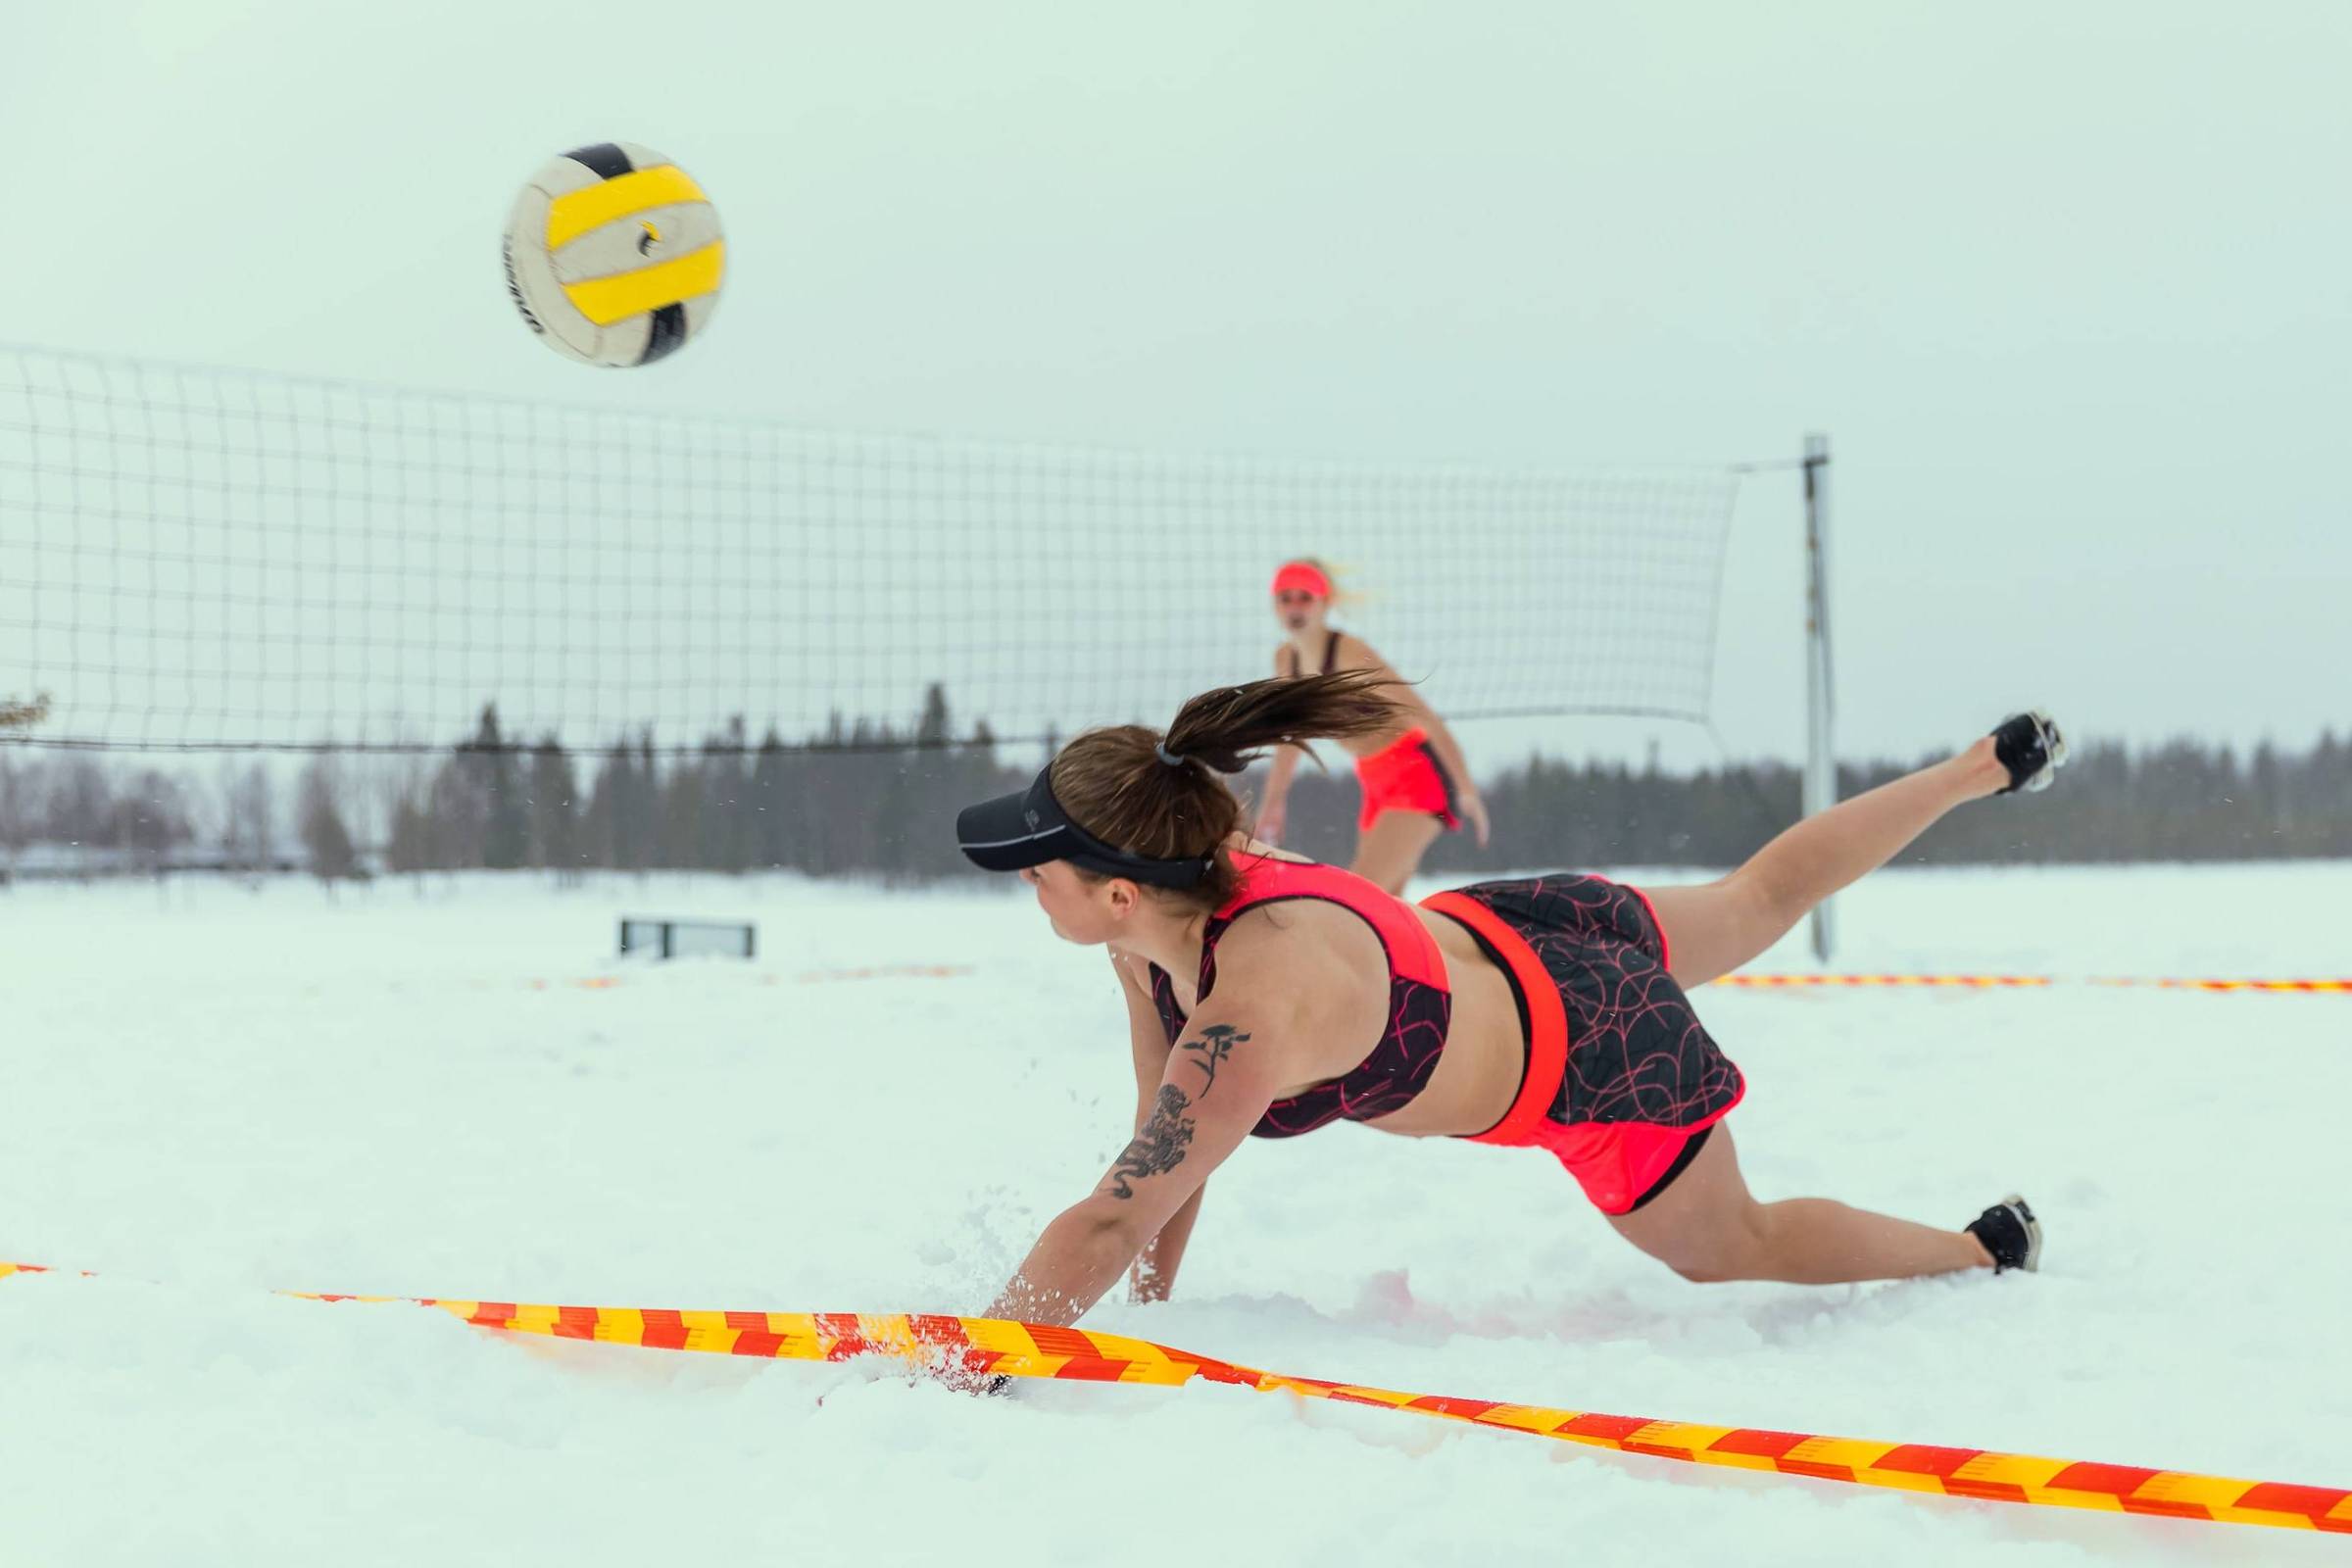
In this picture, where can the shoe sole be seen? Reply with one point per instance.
(2053, 747)
(2025, 1211)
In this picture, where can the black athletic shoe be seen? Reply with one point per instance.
(2011, 1234)
(2030, 748)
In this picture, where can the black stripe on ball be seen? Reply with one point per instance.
(668, 331)
(605, 160)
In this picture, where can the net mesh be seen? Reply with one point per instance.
(204, 558)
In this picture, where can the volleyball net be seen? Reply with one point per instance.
(197, 559)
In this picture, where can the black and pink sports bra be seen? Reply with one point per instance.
(1420, 1001)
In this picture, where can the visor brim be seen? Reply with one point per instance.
(995, 835)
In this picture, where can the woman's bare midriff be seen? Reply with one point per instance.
(1363, 746)
(1478, 1075)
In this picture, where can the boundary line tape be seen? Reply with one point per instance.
(990, 1346)
(1991, 982)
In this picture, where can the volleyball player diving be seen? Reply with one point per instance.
(1414, 781)
(1268, 996)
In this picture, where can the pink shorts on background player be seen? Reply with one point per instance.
(1405, 775)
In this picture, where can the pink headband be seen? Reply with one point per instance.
(1301, 576)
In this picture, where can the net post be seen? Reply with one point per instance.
(1820, 785)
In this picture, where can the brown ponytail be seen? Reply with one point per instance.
(1115, 785)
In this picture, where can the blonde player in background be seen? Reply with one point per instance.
(1415, 782)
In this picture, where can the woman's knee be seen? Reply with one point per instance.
(1735, 1259)
(1731, 1246)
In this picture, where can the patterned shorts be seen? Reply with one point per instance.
(1621, 1074)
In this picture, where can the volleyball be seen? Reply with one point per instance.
(613, 255)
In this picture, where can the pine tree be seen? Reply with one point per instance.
(554, 815)
(247, 820)
(409, 842)
(723, 831)
(645, 803)
(151, 819)
(506, 826)
(19, 787)
(765, 796)
(324, 837)
(608, 822)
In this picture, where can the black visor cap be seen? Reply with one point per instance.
(1028, 827)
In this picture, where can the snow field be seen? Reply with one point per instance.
(211, 1090)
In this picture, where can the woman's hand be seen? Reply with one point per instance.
(1154, 1273)
(1474, 813)
(1217, 1082)
(979, 1384)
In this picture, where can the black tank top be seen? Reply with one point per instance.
(1330, 656)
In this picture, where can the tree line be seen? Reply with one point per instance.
(865, 797)
(860, 797)
(2180, 801)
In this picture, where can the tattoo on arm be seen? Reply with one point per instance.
(1159, 1147)
(1215, 1044)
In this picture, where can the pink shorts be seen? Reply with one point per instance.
(1405, 775)
(1621, 1077)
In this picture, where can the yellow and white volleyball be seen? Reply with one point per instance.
(613, 255)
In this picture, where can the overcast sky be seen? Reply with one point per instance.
(2070, 287)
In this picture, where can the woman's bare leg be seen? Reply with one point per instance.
(1390, 851)
(1707, 1226)
(1715, 927)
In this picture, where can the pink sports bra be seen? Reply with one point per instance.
(1420, 1001)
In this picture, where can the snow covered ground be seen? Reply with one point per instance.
(207, 1090)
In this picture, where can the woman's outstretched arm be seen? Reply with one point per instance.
(1227, 1067)
(1155, 1267)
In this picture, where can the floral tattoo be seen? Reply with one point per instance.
(1159, 1147)
(1215, 1044)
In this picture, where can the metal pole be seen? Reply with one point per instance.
(1820, 791)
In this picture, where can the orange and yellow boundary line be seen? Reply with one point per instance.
(2233, 984)
(1992, 982)
(989, 1347)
